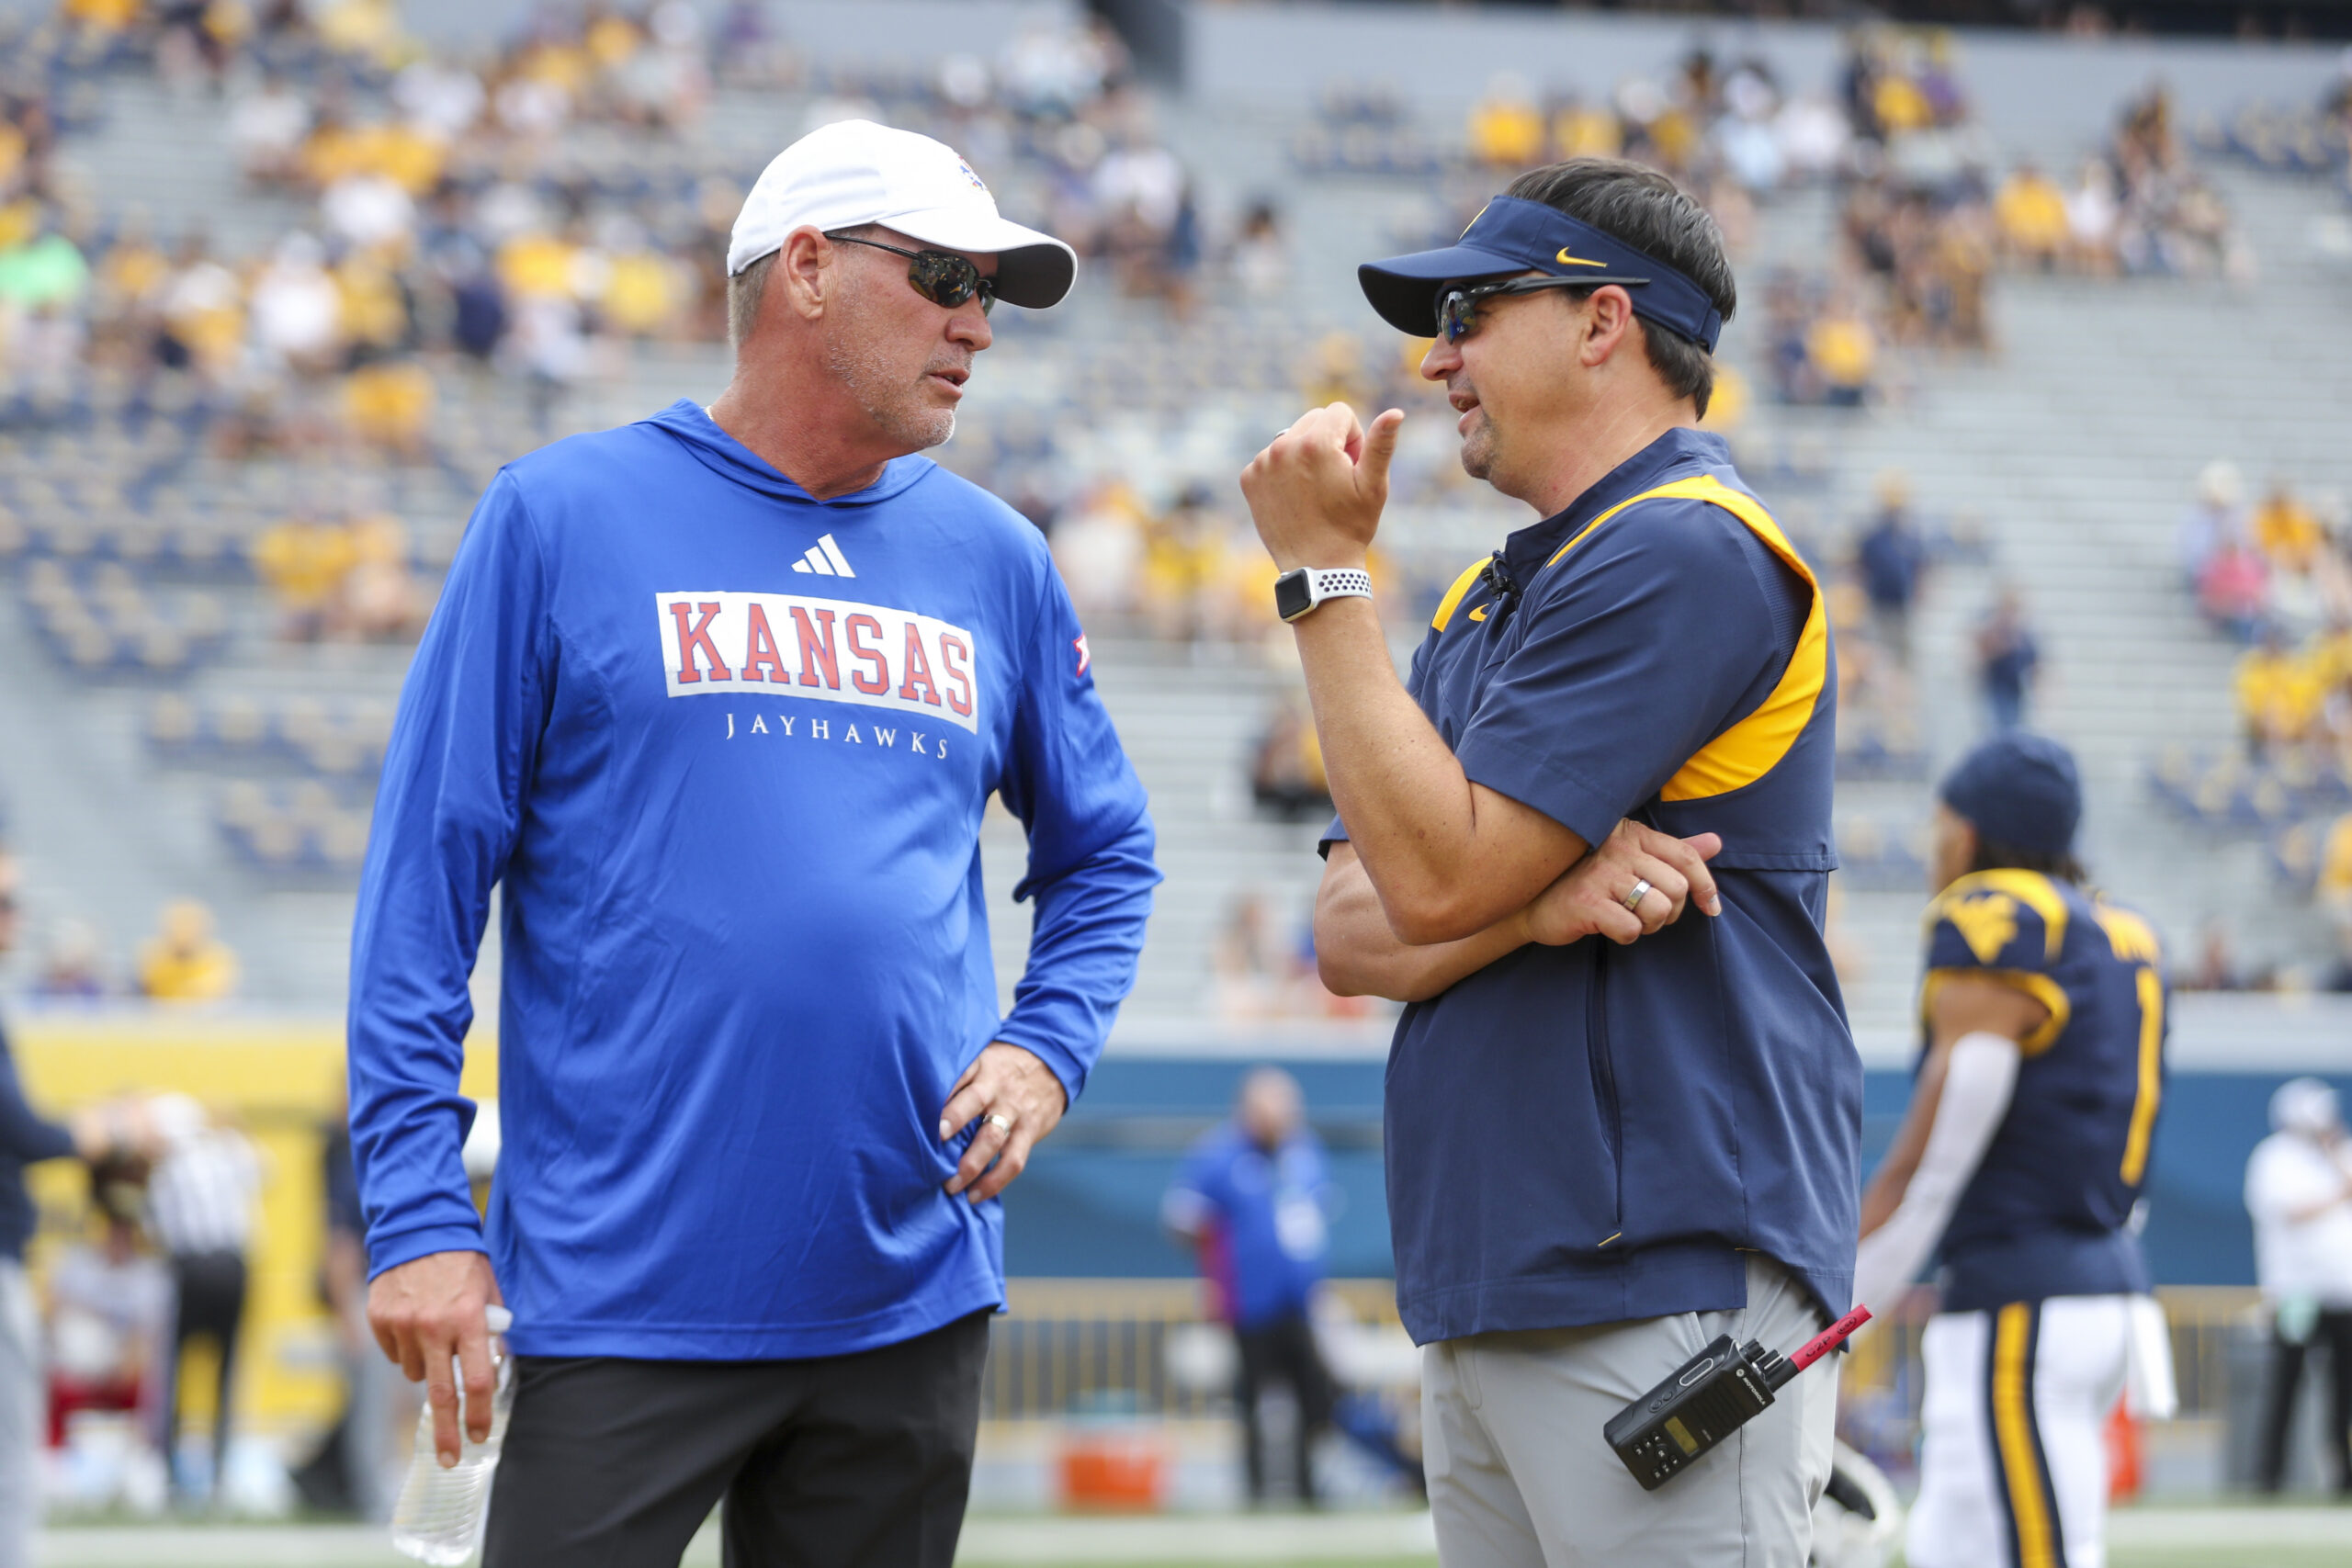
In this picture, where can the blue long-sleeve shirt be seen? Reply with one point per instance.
(26, 1138)
(727, 748)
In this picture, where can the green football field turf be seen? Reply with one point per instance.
(2296, 1536)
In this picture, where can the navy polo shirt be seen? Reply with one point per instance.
(1593, 1133)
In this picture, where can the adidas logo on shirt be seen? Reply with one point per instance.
(824, 558)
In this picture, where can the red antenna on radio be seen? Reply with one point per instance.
(1829, 1338)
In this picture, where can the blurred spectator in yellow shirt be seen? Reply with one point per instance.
(1586, 130)
(2334, 887)
(372, 309)
(611, 40)
(541, 267)
(184, 962)
(2031, 212)
(106, 17)
(406, 155)
(1844, 352)
(133, 269)
(2278, 694)
(2330, 655)
(1506, 128)
(1183, 567)
(642, 293)
(389, 403)
(1899, 106)
(1728, 407)
(371, 28)
(304, 561)
(333, 148)
(2284, 530)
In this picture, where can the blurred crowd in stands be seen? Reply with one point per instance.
(184, 961)
(430, 253)
(2271, 569)
(1923, 222)
(532, 215)
(2313, 138)
(2138, 207)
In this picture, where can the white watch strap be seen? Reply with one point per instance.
(1337, 583)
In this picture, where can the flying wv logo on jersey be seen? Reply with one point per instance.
(827, 650)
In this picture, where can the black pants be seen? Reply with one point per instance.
(840, 1462)
(2334, 1330)
(211, 1291)
(1282, 1350)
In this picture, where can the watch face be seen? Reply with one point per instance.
(1292, 599)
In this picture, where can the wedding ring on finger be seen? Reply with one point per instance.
(1633, 900)
(1003, 1124)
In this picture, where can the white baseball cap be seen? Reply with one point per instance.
(2304, 1105)
(855, 172)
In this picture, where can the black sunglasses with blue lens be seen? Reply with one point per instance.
(941, 277)
(1457, 305)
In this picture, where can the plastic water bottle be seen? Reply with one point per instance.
(439, 1516)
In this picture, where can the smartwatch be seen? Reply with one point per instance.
(1297, 592)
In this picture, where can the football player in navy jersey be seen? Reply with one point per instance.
(2022, 1158)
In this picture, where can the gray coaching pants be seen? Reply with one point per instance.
(1520, 1477)
(21, 1407)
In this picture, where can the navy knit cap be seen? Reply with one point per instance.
(2020, 790)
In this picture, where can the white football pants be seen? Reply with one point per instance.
(2013, 1451)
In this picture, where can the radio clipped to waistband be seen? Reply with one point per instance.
(1709, 1397)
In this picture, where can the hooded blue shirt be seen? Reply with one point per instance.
(726, 748)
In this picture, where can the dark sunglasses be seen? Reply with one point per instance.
(1457, 309)
(940, 277)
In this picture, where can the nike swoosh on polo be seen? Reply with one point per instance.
(825, 560)
(1567, 260)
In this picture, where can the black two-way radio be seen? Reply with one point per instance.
(1709, 1397)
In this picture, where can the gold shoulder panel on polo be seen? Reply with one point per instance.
(1754, 745)
(1453, 595)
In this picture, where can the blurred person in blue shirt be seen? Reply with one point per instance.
(1251, 1197)
(2007, 660)
(1893, 559)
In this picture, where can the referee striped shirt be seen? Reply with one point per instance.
(200, 1198)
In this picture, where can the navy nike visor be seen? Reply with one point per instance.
(1510, 236)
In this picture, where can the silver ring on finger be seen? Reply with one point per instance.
(999, 1120)
(1633, 900)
